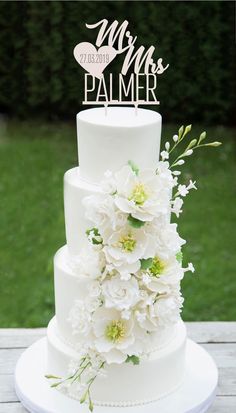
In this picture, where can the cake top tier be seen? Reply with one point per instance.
(108, 140)
(119, 117)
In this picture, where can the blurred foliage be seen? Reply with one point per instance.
(39, 76)
(33, 158)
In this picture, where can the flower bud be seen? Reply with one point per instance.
(215, 144)
(167, 146)
(202, 136)
(188, 152)
(180, 162)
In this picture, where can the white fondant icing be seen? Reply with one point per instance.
(110, 141)
(75, 189)
(125, 385)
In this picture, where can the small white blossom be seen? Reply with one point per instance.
(175, 138)
(164, 155)
(192, 185)
(177, 205)
(182, 189)
(190, 267)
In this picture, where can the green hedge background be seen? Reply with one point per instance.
(39, 76)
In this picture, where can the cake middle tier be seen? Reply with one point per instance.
(70, 287)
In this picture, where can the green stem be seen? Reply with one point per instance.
(81, 370)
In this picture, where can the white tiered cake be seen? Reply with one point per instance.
(108, 142)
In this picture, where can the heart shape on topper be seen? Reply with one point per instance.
(91, 59)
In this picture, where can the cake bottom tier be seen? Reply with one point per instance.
(158, 375)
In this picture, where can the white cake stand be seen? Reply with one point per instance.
(195, 395)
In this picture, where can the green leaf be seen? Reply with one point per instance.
(134, 222)
(134, 167)
(94, 230)
(133, 359)
(179, 257)
(146, 263)
(96, 233)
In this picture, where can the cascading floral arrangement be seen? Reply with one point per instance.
(133, 263)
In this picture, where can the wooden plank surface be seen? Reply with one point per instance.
(218, 338)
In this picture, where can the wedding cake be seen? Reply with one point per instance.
(117, 338)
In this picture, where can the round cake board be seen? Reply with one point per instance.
(195, 395)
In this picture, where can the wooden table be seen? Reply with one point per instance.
(218, 338)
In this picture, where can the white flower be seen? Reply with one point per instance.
(120, 294)
(168, 242)
(164, 275)
(183, 190)
(164, 155)
(175, 138)
(145, 195)
(113, 335)
(126, 247)
(88, 263)
(177, 205)
(164, 311)
(92, 303)
(94, 289)
(167, 309)
(192, 185)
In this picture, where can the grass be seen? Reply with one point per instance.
(33, 159)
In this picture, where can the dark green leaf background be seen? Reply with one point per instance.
(39, 76)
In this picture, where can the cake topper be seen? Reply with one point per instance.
(137, 80)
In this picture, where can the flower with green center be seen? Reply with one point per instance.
(157, 267)
(115, 331)
(139, 194)
(127, 243)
